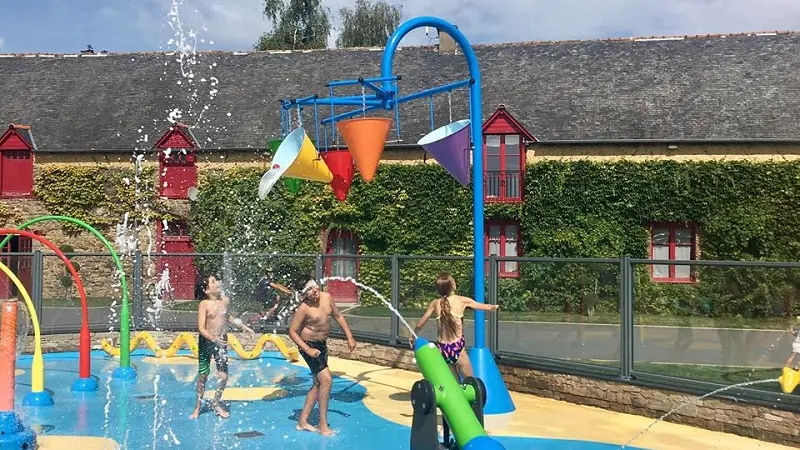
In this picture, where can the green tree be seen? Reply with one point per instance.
(296, 25)
(368, 24)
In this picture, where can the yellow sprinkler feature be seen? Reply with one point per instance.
(187, 340)
(789, 380)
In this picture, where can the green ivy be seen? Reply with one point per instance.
(97, 195)
(743, 210)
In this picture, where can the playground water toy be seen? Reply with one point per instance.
(341, 164)
(38, 395)
(450, 146)
(13, 434)
(365, 138)
(789, 380)
(85, 381)
(296, 157)
(461, 405)
(188, 340)
(124, 371)
(293, 185)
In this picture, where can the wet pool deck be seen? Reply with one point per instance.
(388, 396)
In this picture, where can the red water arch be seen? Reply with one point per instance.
(84, 362)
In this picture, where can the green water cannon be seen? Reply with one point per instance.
(461, 405)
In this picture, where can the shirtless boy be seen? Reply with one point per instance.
(309, 330)
(212, 319)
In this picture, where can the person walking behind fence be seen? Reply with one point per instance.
(792, 362)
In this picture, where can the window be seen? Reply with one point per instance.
(178, 173)
(342, 242)
(503, 165)
(670, 241)
(502, 239)
(177, 162)
(16, 162)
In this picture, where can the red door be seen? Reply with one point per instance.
(342, 242)
(182, 270)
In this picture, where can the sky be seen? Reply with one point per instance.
(119, 26)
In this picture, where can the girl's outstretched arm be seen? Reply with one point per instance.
(471, 303)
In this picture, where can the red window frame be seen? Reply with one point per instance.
(503, 174)
(672, 227)
(506, 269)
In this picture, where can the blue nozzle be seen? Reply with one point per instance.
(421, 342)
(483, 443)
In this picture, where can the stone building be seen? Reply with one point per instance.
(680, 98)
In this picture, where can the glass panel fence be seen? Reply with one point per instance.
(61, 304)
(173, 286)
(729, 325)
(365, 312)
(567, 311)
(417, 285)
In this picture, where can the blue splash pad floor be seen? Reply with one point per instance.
(153, 412)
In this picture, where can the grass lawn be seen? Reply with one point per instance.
(76, 302)
(602, 318)
(714, 374)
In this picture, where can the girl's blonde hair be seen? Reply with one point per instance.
(446, 286)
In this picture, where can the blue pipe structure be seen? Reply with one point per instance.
(387, 97)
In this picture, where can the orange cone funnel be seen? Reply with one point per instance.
(365, 137)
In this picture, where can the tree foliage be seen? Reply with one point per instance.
(296, 25)
(368, 24)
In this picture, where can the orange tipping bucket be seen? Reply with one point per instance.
(365, 137)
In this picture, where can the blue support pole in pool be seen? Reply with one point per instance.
(498, 398)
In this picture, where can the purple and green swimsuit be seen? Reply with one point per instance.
(451, 351)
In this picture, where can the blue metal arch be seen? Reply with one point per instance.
(498, 398)
(475, 117)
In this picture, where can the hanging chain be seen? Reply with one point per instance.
(450, 105)
(363, 101)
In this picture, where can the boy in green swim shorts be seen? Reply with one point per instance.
(212, 319)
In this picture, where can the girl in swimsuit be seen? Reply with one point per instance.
(449, 312)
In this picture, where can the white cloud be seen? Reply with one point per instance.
(236, 24)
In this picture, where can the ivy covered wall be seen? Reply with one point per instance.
(743, 210)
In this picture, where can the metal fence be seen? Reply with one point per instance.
(723, 323)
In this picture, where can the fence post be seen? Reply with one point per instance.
(394, 277)
(494, 317)
(138, 282)
(319, 267)
(626, 318)
(37, 281)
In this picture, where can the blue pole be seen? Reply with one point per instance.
(498, 398)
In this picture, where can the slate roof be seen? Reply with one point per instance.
(694, 88)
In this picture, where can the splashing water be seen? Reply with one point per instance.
(693, 401)
(375, 293)
(766, 353)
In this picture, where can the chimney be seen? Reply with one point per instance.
(447, 46)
